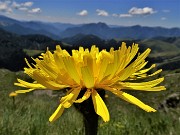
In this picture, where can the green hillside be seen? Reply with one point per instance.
(159, 46)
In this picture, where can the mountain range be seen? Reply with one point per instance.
(52, 30)
(132, 32)
(102, 30)
(14, 48)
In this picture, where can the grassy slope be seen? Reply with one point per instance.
(32, 52)
(159, 46)
(29, 115)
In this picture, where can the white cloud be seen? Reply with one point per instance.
(16, 5)
(35, 10)
(125, 15)
(21, 5)
(23, 8)
(136, 11)
(102, 12)
(115, 15)
(83, 13)
(122, 15)
(27, 4)
(141, 11)
(4, 7)
(6, 1)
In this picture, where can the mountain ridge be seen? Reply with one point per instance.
(32, 27)
(164, 50)
(135, 32)
(100, 29)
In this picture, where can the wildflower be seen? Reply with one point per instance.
(88, 71)
(13, 94)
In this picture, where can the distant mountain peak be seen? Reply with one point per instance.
(99, 25)
(136, 26)
(7, 19)
(102, 25)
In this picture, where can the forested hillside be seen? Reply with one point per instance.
(14, 48)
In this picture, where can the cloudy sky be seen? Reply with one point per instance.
(164, 13)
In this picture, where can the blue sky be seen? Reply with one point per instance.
(165, 13)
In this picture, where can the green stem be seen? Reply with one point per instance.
(90, 117)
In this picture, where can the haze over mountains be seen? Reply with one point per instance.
(102, 30)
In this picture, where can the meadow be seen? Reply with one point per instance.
(28, 114)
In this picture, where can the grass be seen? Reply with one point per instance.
(159, 46)
(32, 52)
(29, 114)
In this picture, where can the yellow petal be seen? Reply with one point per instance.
(127, 72)
(13, 94)
(99, 106)
(141, 57)
(108, 71)
(60, 51)
(87, 77)
(47, 68)
(29, 85)
(106, 55)
(144, 70)
(102, 69)
(141, 76)
(134, 51)
(81, 49)
(88, 61)
(147, 86)
(85, 97)
(65, 79)
(40, 78)
(134, 100)
(58, 48)
(27, 63)
(58, 60)
(57, 113)
(68, 100)
(29, 71)
(115, 65)
(71, 69)
(155, 73)
(23, 91)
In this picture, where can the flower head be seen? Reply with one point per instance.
(13, 94)
(91, 70)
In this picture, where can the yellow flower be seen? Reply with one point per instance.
(13, 94)
(91, 70)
